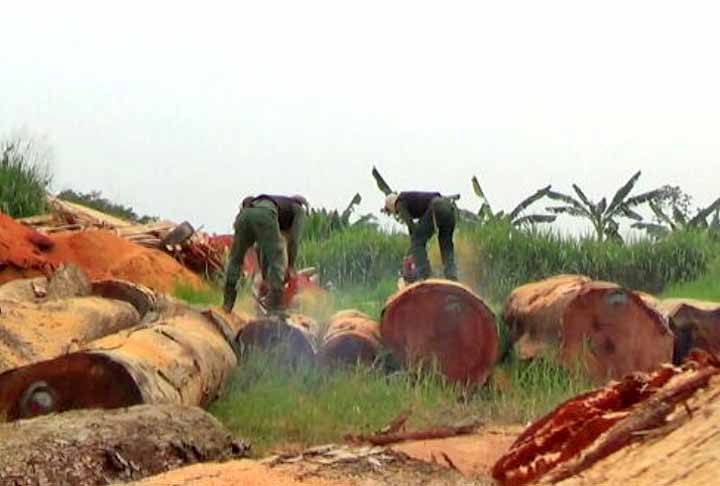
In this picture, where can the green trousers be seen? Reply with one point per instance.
(442, 213)
(258, 224)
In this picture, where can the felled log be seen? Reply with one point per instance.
(587, 428)
(140, 297)
(443, 321)
(609, 330)
(32, 332)
(695, 324)
(290, 337)
(182, 360)
(96, 447)
(351, 337)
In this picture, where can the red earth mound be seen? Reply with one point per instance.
(101, 254)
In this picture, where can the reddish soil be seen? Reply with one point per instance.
(101, 254)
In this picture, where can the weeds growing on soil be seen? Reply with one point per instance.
(271, 405)
(23, 182)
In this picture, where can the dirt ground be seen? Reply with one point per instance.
(460, 461)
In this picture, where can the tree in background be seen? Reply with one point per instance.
(672, 212)
(25, 175)
(95, 200)
(514, 217)
(320, 223)
(603, 216)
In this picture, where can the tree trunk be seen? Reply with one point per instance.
(695, 323)
(85, 448)
(31, 332)
(291, 337)
(443, 321)
(182, 360)
(351, 336)
(609, 330)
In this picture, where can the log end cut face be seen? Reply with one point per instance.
(73, 381)
(696, 324)
(442, 321)
(288, 338)
(351, 337)
(613, 332)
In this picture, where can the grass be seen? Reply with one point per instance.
(706, 287)
(23, 183)
(274, 406)
(193, 295)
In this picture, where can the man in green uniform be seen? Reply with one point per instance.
(263, 220)
(422, 212)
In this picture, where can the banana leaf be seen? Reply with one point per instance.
(539, 194)
(623, 192)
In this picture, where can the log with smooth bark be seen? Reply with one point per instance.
(351, 336)
(442, 321)
(609, 330)
(183, 359)
(85, 448)
(32, 332)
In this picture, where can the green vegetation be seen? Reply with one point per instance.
(271, 404)
(24, 177)
(95, 200)
(193, 295)
(705, 287)
(601, 215)
(514, 217)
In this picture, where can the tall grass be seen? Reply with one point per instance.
(706, 287)
(273, 405)
(23, 181)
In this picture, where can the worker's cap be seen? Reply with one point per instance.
(390, 201)
(246, 202)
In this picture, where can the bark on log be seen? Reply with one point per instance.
(291, 337)
(351, 336)
(183, 360)
(695, 323)
(85, 448)
(31, 332)
(609, 330)
(140, 297)
(444, 321)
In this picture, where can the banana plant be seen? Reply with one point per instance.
(603, 216)
(679, 221)
(486, 214)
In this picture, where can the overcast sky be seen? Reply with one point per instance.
(182, 108)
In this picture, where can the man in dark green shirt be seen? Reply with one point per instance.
(263, 220)
(422, 212)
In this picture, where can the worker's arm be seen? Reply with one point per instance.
(294, 234)
(404, 214)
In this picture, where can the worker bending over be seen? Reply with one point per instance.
(260, 221)
(422, 212)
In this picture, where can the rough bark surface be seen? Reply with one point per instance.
(31, 332)
(351, 336)
(180, 360)
(442, 321)
(85, 448)
(609, 330)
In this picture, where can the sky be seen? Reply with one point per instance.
(180, 109)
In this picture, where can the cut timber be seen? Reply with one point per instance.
(292, 337)
(609, 330)
(31, 332)
(182, 360)
(695, 323)
(351, 336)
(140, 297)
(444, 321)
(96, 447)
